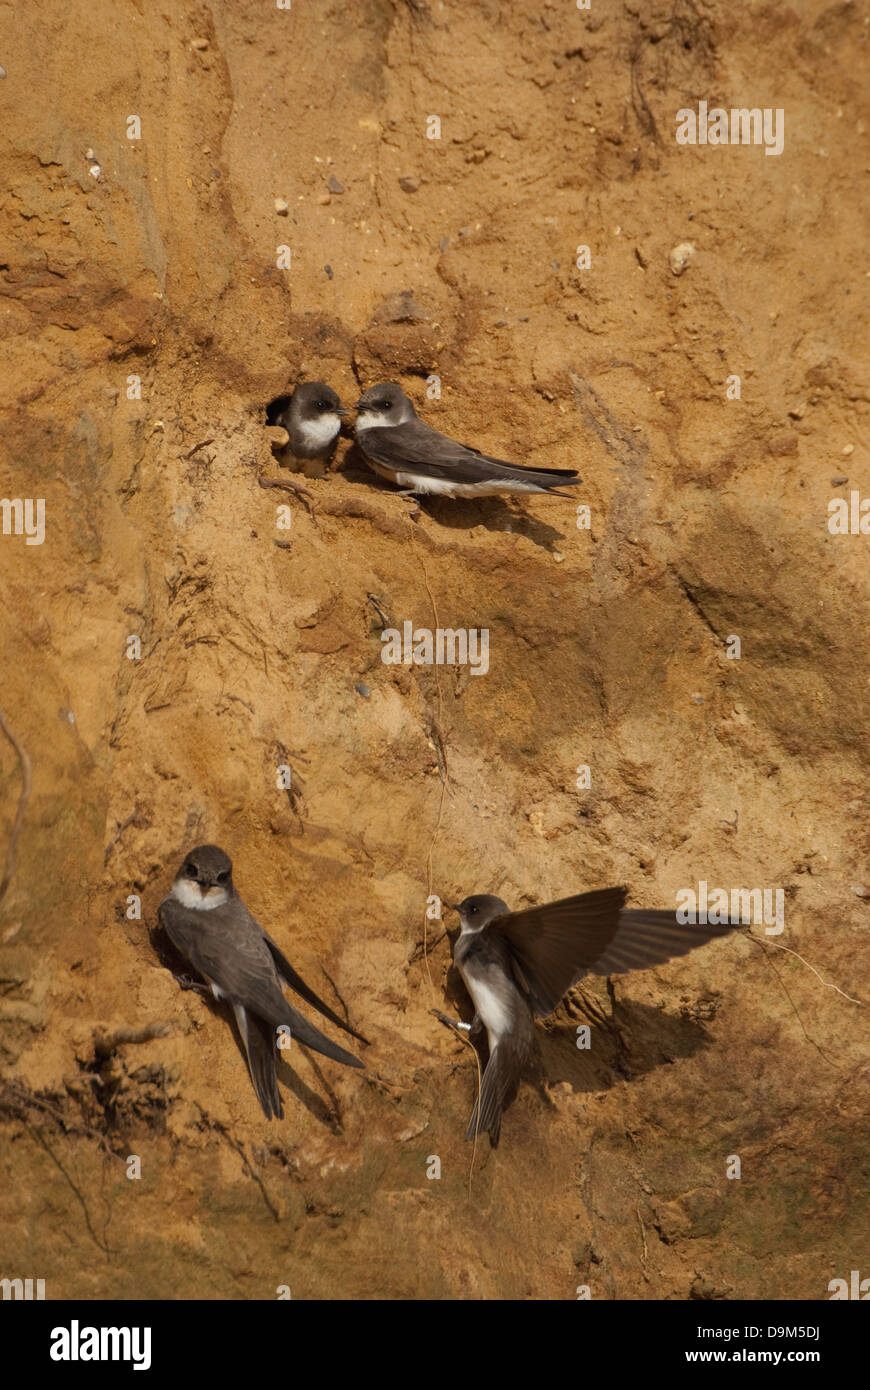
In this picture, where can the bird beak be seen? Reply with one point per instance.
(452, 907)
(358, 405)
(341, 410)
(203, 888)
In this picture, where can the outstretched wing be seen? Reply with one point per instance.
(650, 936)
(550, 945)
(554, 946)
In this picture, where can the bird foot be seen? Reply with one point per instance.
(188, 982)
(454, 1023)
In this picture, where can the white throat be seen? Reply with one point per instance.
(380, 420)
(320, 432)
(186, 892)
(375, 420)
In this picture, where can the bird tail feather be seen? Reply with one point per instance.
(260, 1050)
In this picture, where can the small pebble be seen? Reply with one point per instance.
(2, 72)
(363, 690)
(199, 43)
(680, 257)
(324, 199)
(861, 890)
(838, 482)
(408, 184)
(282, 207)
(95, 171)
(329, 272)
(848, 449)
(334, 185)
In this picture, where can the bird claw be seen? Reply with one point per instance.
(188, 982)
(453, 1023)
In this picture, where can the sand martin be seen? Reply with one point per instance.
(400, 447)
(517, 965)
(312, 418)
(209, 924)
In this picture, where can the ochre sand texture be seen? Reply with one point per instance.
(608, 647)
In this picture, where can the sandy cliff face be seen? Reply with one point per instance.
(609, 647)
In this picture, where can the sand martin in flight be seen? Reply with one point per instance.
(518, 965)
(400, 447)
(312, 418)
(209, 924)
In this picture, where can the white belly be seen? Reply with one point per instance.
(446, 487)
(494, 1015)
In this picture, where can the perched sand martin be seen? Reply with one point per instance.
(312, 418)
(400, 447)
(516, 965)
(209, 924)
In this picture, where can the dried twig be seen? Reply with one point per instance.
(761, 946)
(40, 1138)
(827, 984)
(461, 1033)
(287, 485)
(26, 788)
(196, 448)
(441, 753)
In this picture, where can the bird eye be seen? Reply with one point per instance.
(223, 876)
(474, 911)
(321, 405)
(190, 870)
(385, 405)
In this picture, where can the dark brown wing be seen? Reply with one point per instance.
(296, 982)
(227, 945)
(431, 454)
(550, 945)
(554, 946)
(650, 936)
